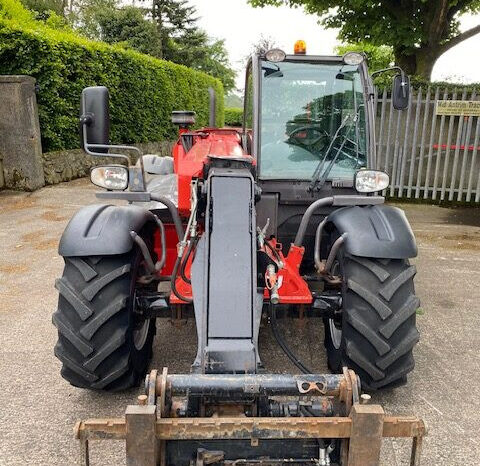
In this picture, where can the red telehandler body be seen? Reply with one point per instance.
(242, 227)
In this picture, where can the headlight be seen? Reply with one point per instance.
(275, 55)
(112, 177)
(353, 58)
(371, 181)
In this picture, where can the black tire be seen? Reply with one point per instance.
(101, 344)
(376, 333)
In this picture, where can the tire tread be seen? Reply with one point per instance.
(95, 339)
(362, 327)
(62, 354)
(379, 331)
(91, 290)
(391, 287)
(382, 309)
(85, 269)
(66, 289)
(66, 329)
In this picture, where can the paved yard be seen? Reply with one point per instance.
(38, 408)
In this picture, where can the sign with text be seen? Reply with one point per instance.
(458, 107)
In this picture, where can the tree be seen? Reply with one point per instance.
(264, 44)
(379, 57)
(41, 8)
(87, 15)
(167, 30)
(419, 31)
(128, 27)
(174, 19)
(183, 42)
(197, 50)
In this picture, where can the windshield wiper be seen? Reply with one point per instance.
(273, 72)
(316, 178)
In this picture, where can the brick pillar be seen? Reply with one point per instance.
(20, 144)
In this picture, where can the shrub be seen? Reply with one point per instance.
(143, 89)
(234, 116)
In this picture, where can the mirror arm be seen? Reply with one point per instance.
(90, 150)
(392, 68)
(402, 74)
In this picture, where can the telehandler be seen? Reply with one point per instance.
(241, 227)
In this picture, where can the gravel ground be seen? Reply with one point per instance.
(38, 408)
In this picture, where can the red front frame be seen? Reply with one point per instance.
(189, 165)
(292, 287)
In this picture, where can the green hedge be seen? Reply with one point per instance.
(143, 90)
(234, 116)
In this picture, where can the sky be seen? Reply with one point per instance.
(241, 26)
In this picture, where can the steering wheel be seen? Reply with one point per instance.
(317, 135)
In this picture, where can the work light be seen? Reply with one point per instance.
(275, 55)
(371, 181)
(353, 58)
(112, 177)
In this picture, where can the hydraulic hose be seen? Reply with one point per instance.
(318, 241)
(333, 252)
(283, 344)
(173, 282)
(302, 229)
(151, 266)
(173, 212)
(191, 247)
(161, 263)
(145, 252)
(191, 226)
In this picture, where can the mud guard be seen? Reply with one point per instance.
(377, 231)
(102, 230)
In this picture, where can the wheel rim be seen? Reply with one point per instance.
(140, 334)
(140, 329)
(335, 328)
(335, 334)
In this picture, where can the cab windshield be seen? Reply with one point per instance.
(312, 121)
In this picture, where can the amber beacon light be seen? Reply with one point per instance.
(300, 47)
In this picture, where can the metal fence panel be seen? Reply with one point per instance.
(430, 150)
(472, 163)
(465, 156)
(429, 155)
(413, 155)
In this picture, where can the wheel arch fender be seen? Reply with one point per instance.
(100, 230)
(377, 231)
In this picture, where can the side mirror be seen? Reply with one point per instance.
(95, 118)
(401, 91)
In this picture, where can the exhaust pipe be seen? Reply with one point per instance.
(213, 109)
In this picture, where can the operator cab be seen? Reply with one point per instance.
(309, 123)
(308, 116)
(317, 101)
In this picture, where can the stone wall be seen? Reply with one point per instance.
(20, 146)
(71, 164)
